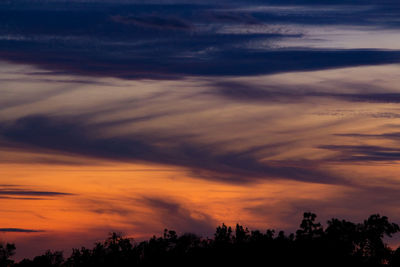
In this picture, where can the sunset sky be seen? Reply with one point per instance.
(130, 117)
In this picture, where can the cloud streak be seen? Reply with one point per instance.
(246, 92)
(19, 230)
(66, 135)
(6, 191)
(153, 22)
(365, 153)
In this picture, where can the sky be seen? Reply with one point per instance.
(130, 117)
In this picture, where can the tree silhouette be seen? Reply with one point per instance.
(6, 252)
(342, 243)
(49, 259)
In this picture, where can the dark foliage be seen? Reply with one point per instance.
(6, 251)
(342, 243)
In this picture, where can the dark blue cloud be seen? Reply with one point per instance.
(131, 40)
(367, 153)
(153, 22)
(392, 135)
(73, 136)
(19, 230)
(22, 198)
(17, 191)
(257, 93)
(363, 153)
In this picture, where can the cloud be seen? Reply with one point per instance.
(7, 190)
(367, 153)
(233, 17)
(175, 216)
(364, 153)
(22, 198)
(154, 22)
(134, 41)
(72, 136)
(19, 230)
(392, 135)
(372, 97)
(107, 206)
(246, 92)
(31, 193)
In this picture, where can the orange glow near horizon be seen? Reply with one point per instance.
(111, 196)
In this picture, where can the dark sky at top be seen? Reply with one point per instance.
(169, 39)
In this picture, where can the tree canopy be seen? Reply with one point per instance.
(341, 243)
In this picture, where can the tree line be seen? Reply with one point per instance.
(341, 243)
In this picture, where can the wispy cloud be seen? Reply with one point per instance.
(153, 22)
(11, 190)
(366, 153)
(65, 134)
(19, 230)
(265, 93)
(175, 216)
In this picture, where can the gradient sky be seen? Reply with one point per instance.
(129, 117)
